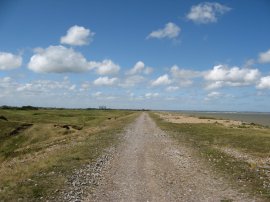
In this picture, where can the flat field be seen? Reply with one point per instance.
(39, 149)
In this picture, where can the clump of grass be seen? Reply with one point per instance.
(206, 138)
(206, 117)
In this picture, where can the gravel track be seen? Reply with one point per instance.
(150, 166)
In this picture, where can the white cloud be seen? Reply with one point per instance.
(172, 88)
(213, 95)
(100, 96)
(184, 73)
(106, 81)
(184, 82)
(58, 59)
(140, 67)
(264, 57)
(97, 94)
(132, 80)
(77, 36)
(162, 80)
(73, 87)
(11, 88)
(5, 79)
(207, 12)
(45, 86)
(5, 82)
(25, 87)
(9, 61)
(151, 95)
(105, 67)
(85, 86)
(215, 84)
(183, 77)
(222, 75)
(7, 86)
(264, 83)
(170, 31)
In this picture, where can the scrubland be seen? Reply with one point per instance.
(39, 149)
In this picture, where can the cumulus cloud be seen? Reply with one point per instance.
(170, 31)
(105, 67)
(132, 80)
(264, 57)
(222, 75)
(140, 67)
(58, 59)
(105, 81)
(207, 12)
(162, 80)
(77, 36)
(9, 61)
(264, 83)
(183, 77)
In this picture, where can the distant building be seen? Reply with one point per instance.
(102, 107)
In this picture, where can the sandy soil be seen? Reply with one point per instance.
(150, 166)
(179, 118)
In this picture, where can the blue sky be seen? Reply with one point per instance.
(178, 54)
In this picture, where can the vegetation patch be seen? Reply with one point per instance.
(37, 162)
(208, 138)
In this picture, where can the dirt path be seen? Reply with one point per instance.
(150, 166)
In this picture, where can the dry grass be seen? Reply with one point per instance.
(37, 161)
(240, 153)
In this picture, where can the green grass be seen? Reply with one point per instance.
(38, 161)
(87, 117)
(207, 138)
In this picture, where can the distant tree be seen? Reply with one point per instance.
(28, 107)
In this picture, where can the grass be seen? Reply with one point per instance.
(208, 138)
(206, 117)
(37, 161)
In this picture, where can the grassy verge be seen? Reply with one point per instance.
(36, 162)
(208, 138)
